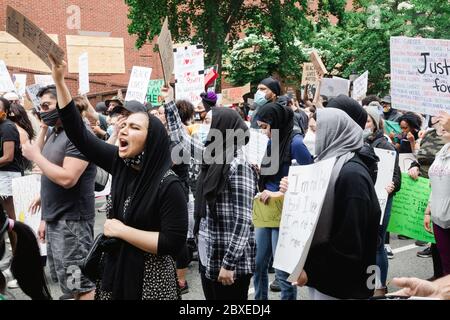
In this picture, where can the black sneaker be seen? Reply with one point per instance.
(275, 286)
(389, 252)
(426, 253)
(421, 243)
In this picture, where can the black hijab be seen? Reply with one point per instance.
(351, 107)
(213, 177)
(124, 268)
(281, 118)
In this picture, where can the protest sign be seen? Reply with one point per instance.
(25, 190)
(20, 83)
(165, 47)
(385, 175)
(333, 87)
(420, 74)
(301, 210)
(360, 86)
(6, 84)
(267, 215)
(405, 160)
(309, 74)
(234, 95)
(32, 92)
(318, 64)
(83, 72)
(154, 92)
(44, 79)
(138, 85)
(409, 207)
(256, 148)
(30, 35)
(188, 59)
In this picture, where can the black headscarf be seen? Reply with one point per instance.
(124, 268)
(351, 107)
(281, 118)
(213, 177)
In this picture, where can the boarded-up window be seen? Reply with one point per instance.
(106, 55)
(17, 55)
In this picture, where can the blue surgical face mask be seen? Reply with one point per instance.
(367, 133)
(260, 98)
(202, 132)
(110, 130)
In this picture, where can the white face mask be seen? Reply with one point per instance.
(310, 142)
(203, 131)
(367, 133)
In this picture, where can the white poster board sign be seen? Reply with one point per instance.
(138, 85)
(360, 87)
(6, 84)
(20, 83)
(25, 190)
(405, 160)
(188, 59)
(301, 210)
(384, 177)
(420, 74)
(256, 148)
(83, 73)
(32, 92)
(334, 87)
(43, 79)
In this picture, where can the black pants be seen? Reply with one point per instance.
(183, 258)
(214, 290)
(437, 266)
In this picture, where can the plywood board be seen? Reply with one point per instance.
(15, 54)
(106, 55)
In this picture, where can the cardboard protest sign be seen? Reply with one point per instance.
(234, 95)
(309, 74)
(409, 207)
(25, 190)
(138, 85)
(83, 72)
(165, 47)
(255, 149)
(384, 177)
(32, 92)
(154, 92)
(405, 161)
(360, 86)
(20, 83)
(334, 87)
(6, 84)
(24, 30)
(420, 74)
(267, 215)
(43, 79)
(318, 64)
(301, 210)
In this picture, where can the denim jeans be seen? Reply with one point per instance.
(266, 244)
(382, 259)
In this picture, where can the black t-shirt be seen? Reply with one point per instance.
(9, 132)
(58, 203)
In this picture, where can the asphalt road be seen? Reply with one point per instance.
(405, 263)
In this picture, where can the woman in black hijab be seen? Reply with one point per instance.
(147, 211)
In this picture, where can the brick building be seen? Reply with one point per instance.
(86, 24)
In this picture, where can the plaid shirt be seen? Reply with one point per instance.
(230, 238)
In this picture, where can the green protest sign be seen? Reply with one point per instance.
(267, 215)
(392, 126)
(408, 209)
(154, 92)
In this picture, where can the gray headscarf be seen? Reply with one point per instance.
(337, 136)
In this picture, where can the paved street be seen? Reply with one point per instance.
(405, 263)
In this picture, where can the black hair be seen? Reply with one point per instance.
(367, 100)
(51, 89)
(26, 264)
(412, 119)
(6, 104)
(22, 120)
(186, 110)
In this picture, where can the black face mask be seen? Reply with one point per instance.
(50, 118)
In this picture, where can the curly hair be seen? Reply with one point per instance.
(186, 110)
